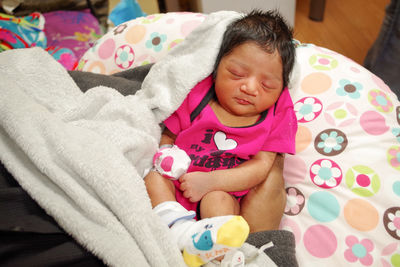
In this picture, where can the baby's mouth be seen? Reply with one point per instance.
(242, 101)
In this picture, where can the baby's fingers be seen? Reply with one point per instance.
(187, 194)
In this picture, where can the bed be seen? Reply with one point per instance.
(343, 184)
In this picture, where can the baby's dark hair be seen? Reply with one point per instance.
(268, 30)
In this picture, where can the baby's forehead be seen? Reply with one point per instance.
(267, 48)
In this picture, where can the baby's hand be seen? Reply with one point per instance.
(195, 185)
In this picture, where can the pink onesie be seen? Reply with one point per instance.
(212, 145)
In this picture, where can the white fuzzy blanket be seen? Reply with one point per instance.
(82, 156)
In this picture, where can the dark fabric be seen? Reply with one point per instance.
(30, 237)
(283, 253)
(126, 82)
(383, 58)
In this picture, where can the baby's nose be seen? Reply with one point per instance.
(248, 89)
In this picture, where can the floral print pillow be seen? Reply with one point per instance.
(138, 42)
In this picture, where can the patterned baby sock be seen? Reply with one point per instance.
(209, 238)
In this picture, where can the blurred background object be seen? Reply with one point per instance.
(147, 6)
(286, 7)
(383, 58)
(124, 11)
(317, 10)
(348, 27)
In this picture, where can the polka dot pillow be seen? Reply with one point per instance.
(343, 184)
(138, 42)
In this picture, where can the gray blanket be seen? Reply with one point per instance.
(126, 82)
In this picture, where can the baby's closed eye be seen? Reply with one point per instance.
(237, 73)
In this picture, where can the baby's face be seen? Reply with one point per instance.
(249, 80)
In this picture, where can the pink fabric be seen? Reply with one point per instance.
(212, 145)
(166, 163)
(75, 30)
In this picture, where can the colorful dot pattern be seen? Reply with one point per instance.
(139, 42)
(343, 184)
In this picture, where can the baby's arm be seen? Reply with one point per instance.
(245, 176)
(167, 137)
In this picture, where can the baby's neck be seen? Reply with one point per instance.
(231, 120)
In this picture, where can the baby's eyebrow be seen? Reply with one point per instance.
(238, 62)
(274, 79)
(269, 75)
